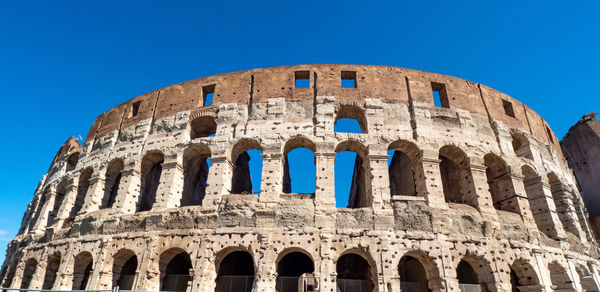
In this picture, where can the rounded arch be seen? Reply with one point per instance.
(352, 111)
(203, 126)
(82, 188)
(356, 268)
(455, 171)
(298, 167)
(500, 184)
(242, 146)
(407, 147)
(559, 276)
(82, 269)
(112, 181)
(72, 161)
(52, 266)
(455, 154)
(354, 166)
(174, 266)
(124, 269)
(151, 171)
(474, 269)
(196, 166)
(520, 144)
(240, 155)
(403, 168)
(235, 268)
(354, 146)
(61, 191)
(28, 271)
(523, 274)
(528, 172)
(430, 267)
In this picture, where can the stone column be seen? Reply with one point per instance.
(545, 279)
(574, 276)
(266, 275)
(325, 190)
(566, 211)
(170, 186)
(520, 199)
(18, 276)
(99, 271)
(543, 209)
(205, 274)
(481, 194)
(40, 271)
(429, 182)
(327, 269)
(129, 191)
(64, 276)
(218, 182)
(271, 182)
(380, 182)
(582, 215)
(94, 195)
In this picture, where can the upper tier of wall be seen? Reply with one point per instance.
(390, 84)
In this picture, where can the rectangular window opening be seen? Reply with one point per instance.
(135, 108)
(208, 92)
(349, 79)
(440, 97)
(302, 79)
(549, 134)
(508, 108)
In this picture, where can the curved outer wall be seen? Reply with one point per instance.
(542, 228)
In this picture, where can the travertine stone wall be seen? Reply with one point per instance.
(524, 226)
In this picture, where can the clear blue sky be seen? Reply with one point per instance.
(63, 63)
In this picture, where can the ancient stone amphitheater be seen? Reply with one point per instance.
(456, 187)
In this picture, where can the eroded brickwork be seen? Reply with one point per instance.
(480, 193)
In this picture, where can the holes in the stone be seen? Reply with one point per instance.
(440, 96)
(204, 126)
(151, 170)
(348, 79)
(82, 269)
(112, 183)
(135, 108)
(247, 168)
(350, 119)
(353, 271)
(412, 273)
(51, 271)
(401, 174)
(72, 161)
(208, 93)
(176, 274)
(236, 272)
(299, 171)
(82, 188)
(196, 166)
(508, 108)
(302, 79)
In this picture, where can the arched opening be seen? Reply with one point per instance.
(467, 278)
(204, 126)
(586, 278)
(61, 190)
(247, 167)
(175, 270)
(540, 209)
(196, 165)
(522, 275)
(500, 184)
(456, 176)
(559, 277)
(563, 202)
(124, 269)
(413, 276)
(151, 170)
(112, 183)
(354, 274)
(350, 119)
(299, 168)
(235, 273)
(82, 188)
(28, 272)
(51, 270)
(521, 145)
(82, 270)
(352, 175)
(402, 168)
(72, 161)
(295, 273)
(38, 208)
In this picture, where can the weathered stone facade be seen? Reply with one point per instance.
(479, 193)
(581, 147)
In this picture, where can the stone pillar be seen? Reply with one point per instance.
(520, 199)
(170, 187)
(94, 195)
(545, 280)
(64, 276)
(40, 271)
(18, 276)
(327, 269)
(543, 209)
(266, 274)
(99, 271)
(205, 274)
(380, 182)
(566, 211)
(574, 276)
(129, 191)
(430, 180)
(218, 182)
(582, 215)
(271, 182)
(325, 190)
(481, 193)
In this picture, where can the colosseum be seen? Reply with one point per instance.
(455, 187)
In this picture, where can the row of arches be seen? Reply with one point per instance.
(355, 270)
(405, 173)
